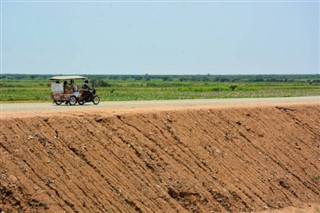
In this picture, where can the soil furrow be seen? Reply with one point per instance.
(194, 160)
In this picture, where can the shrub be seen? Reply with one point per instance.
(233, 87)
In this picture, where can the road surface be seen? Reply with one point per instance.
(113, 105)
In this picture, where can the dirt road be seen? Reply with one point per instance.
(134, 106)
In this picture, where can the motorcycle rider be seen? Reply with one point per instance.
(86, 89)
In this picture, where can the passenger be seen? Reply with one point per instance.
(66, 88)
(74, 87)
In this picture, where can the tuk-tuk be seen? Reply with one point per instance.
(65, 90)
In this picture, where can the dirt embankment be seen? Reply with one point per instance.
(240, 159)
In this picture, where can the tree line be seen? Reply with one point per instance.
(102, 80)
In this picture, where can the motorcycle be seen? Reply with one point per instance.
(89, 96)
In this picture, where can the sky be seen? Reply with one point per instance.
(160, 37)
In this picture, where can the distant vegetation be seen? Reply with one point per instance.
(23, 87)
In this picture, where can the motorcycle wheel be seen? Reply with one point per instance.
(96, 100)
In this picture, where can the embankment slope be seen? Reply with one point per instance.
(201, 160)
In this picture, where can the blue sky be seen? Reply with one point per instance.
(208, 37)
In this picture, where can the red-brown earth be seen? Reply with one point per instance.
(238, 159)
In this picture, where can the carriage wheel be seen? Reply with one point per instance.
(72, 100)
(58, 102)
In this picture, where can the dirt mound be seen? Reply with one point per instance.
(240, 159)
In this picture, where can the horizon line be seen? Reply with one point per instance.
(160, 74)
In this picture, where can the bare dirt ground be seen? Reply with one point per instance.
(241, 157)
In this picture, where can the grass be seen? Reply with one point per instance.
(157, 89)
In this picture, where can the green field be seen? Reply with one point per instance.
(34, 88)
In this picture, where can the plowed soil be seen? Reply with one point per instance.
(210, 159)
